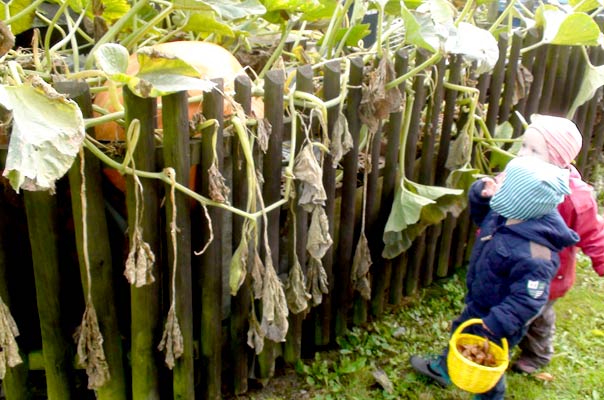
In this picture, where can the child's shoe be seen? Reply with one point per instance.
(431, 367)
(525, 366)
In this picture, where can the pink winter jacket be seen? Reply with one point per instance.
(580, 212)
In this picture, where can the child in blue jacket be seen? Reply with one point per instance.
(513, 259)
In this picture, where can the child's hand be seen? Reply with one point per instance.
(489, 188)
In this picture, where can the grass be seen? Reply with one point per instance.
(421, 326)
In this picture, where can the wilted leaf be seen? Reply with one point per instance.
(9, 350)
(274, 322)
(319, 239)
(295, 288)
(503, 131)
(317, 282)
(91, 355)
(377, 102)
(238, 266)
(360, 268)
(459, 151)
(255, 336)
(474, 44)
(219, 191)
(308, 171)
(48, 132)
(382, 379)
(172, 339)
(341, 141)
(420, 30)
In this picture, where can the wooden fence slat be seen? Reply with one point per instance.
(16, 384)
(575, 68)
(271, 191)
(426, 172)
(555, 107)
(528, 60)
(549, 79)
(497, 78)
(532, 103)
(510, 77)
(382, 269)
(41, 208)
(210, 262)
(99, 250)
(401, 66)
(144, 301)
(176, 152)
(341, 285)
(444, 246)
(419, 89)
(331, 90)
(293, 344)
(241, 303)
(416, 251)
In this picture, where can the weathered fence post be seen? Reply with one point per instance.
(41, 208)
(292, 348)
(99, 250)
(496, 85)
(16, 383)
(382, 269)
(210, 263)
(331, 88)
(444, 247)
(241, 303)
(426, 171)
(177, 155)
(144, 301)
(342, 292)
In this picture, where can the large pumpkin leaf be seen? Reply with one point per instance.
(420, 30)
(474, 44)
(593, 78)
(25, 21)
(586, 5)
(234, 9)
(567, 29)
(207, 23)
(48, 131)
(415, 207)
(160, 74)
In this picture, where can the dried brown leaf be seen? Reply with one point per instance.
(172, 340)
(9, 350)
(544, 376)
(257, 271)
(263, 133)
(318, 284)
(360, 268)
(274, 322)
(341, 142)
(140, 261)
(219, 191)
(90, 351)
(377, 102)
(308, 171)
(255, 336)
(295, 289)
(319, 238)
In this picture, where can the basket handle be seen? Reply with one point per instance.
(474, 321)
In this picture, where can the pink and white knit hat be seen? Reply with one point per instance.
(562, 136)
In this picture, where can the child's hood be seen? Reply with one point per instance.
(550, 231)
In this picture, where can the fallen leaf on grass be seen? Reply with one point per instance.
(544, 376)
(381, 378)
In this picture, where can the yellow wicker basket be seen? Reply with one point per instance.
(468, 375)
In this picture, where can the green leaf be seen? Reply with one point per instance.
(207, 23)
(48, 131)
(26, 21)
(420, 30)
(234, 9)
(160, 74)
(442, 11)
(194, 5)
(503, 131)
(593, 78)
(355, 34)
(112, 58)
(588, 5)
(567, 29)
(115, 9)
(499, 158)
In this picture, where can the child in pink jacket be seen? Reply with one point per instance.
(558, 141)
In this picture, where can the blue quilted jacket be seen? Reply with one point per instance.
(511, 267)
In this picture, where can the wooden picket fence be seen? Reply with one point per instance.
(41, 248)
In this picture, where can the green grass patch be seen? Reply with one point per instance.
(421, 326)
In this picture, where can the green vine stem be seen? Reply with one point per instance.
(470, 124)
(464, 13)
(429, 62)
(285, 29)
(115, 29)
(26, 11)
(332, 29)
(503, 15)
